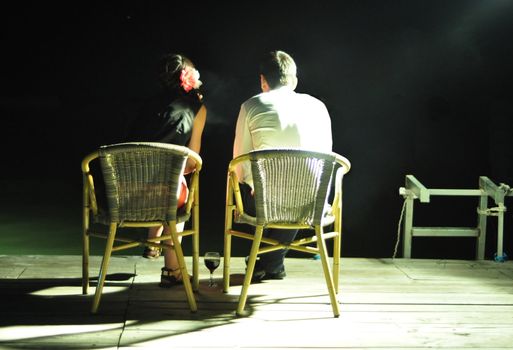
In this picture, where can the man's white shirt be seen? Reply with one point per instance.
(281, 118)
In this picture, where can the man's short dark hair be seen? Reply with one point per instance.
(278, 68)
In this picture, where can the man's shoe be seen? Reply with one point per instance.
(274, 276)
(259, 274)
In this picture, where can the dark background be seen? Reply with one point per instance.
(413, 87)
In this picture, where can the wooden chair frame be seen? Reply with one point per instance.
(118, 243)
(261, 245)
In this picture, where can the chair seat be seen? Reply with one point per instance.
(328, 218)
(103, 218)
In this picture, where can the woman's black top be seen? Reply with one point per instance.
(167, 117)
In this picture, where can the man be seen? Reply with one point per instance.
(278, 118)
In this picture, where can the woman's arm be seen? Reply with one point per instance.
(195, 141)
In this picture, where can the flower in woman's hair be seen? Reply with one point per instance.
(189, 79)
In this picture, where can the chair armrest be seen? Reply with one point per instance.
(89, 193)
(343, 162)
(345, 166)
(233, 184)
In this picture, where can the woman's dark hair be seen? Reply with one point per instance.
(171, 66)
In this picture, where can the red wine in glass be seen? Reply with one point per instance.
(212, 260)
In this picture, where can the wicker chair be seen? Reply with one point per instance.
(141, 182)
(291, 191)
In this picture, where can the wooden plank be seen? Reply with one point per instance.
(445, 232)
(455, 192)
(402, 303)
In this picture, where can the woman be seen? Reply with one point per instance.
(175, 115)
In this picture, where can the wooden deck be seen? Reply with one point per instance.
(385, 304)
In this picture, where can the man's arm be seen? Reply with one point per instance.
(242, 145)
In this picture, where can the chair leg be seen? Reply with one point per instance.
(195, 246)
(227, 250)
(86, 214)
(337, 242)
(226, 261)
(195, 261)
(336, 260)
(85, 264)
(85, 253)
(249, 271)
(103, 268)
(321, 244)
(183, 268)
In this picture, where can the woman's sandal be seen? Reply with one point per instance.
(152, 252)
(170, 277)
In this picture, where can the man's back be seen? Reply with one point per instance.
(282, 118)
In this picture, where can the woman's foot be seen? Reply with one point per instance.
(170, 277)
(152, 252)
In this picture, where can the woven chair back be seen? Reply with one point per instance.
(142, 180)
(291, 186)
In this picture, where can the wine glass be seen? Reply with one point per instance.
(212, 260)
